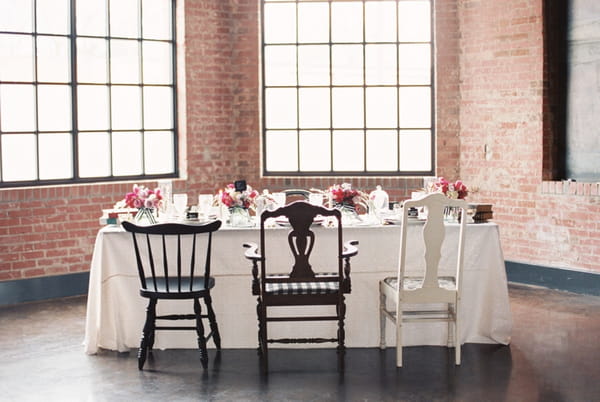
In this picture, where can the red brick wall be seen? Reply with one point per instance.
(505, 136)
(490, 133)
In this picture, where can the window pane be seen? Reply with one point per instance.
(280, 23)
(16, 15)
(16, 53)
(54, 107)
(414, 146)
(56, 156)
(156, 19)
(19, 159)
(415, 107)
(380, 64)
(53, 16)
(282, 151)
(94, 154)
(126, 107)
(313, 65)
(313, 22)
(17, 107)
(92, 107)
(157, 62)
(346, 22)
(380, 21)
(414, 21)
(314, 107)
(92, 60)
(124, 63)
(348, 150)
(415, 64)
(159, 149)
(347, 64)
(124, 20)
(281, 108)
(382, 152)
(348, 108)
(382, 106)
(53, 59)
(315, 151)
(91, 17)
(280, 65)
(127, 153)
(158, 108)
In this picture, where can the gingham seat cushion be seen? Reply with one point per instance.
(301, 288)
(445, 282)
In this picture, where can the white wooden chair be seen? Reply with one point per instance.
(429, 289)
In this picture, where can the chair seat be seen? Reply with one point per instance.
(302, 288)
(173, 292)
(445, 282)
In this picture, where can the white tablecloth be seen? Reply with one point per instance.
(116, 312)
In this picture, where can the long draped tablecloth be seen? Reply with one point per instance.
(116, 311)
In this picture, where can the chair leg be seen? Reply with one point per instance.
(263, 349)
(147, 334)
(398, 335)
(341, 350)
(213, 322)
(200, 332)
(457, 346)
(382, 317)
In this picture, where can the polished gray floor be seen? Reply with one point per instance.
(554, 356)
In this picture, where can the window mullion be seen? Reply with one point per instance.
(74, 85)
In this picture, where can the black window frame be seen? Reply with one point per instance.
(364, 172)
(73, 84)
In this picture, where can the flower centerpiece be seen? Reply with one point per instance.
(456, 190)
(145, 200)
(344, 196)
(238, 197)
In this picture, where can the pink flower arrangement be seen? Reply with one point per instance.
(232, 198)
(451, 190)
(142, 197)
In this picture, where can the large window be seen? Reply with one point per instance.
(87, 90)
(347, 87)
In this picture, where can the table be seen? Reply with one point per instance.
(116, 312)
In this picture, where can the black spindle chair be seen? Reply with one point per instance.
(169, 267)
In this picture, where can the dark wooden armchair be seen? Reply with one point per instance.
(170, 266)
(297, 284)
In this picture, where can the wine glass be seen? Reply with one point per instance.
(180, 204)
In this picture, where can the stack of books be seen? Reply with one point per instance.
(116, 216)
(483, 212)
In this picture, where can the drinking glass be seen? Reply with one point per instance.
(315, 199)
(166, 189)
(205, 202)
(180, 204)
(279, 199)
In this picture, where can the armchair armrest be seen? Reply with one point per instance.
(253, 255)
(252, 252)
(349, 249)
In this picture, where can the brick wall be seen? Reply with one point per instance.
(490, 133)
(507, 140)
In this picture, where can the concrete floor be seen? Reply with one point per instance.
(554, 356)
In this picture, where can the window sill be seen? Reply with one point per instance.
(565, 187)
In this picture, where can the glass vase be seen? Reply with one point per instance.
(145, 216)
(239, 217)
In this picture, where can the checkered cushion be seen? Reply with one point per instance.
(416, 283)
(301, 288)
